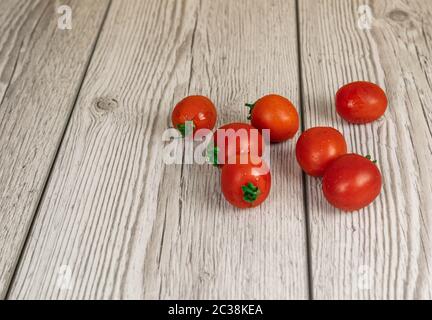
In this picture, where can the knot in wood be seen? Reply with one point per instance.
(398, 15)
(106, 104)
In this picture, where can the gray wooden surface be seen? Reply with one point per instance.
(41, 70)
(384, 251)
(88, 209)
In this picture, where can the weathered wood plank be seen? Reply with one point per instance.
(98, 213)
(129, 226)
(384, 251)
(202, 247)
(41, 69)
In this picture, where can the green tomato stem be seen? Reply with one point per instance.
(369, 157)
(213, 156)
(250, 106)
(250, 192)
(183, 127)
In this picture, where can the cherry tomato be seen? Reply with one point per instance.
(277, 114)
(235, 139)
(246, 185)
(351, 182)
(361, 102)
(317, 148)
(197, 109)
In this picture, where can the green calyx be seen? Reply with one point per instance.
(212, 155)
(250, 192)
(369, 157)
(184, 128)
(250, 106)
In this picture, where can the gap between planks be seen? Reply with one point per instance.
(302, 129)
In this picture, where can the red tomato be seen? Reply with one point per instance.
(246, 185)
(351, 182)
(277, 114)
(198, 109)
(235, 139)
(317, 148)
(361, 102)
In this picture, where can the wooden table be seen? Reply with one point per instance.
(88, 209)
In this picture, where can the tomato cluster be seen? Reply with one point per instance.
(238, 147)
(350, 181)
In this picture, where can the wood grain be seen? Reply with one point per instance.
(202, 248)
(99, 209)
(39, 78)
(129, 226)
(384, 251)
